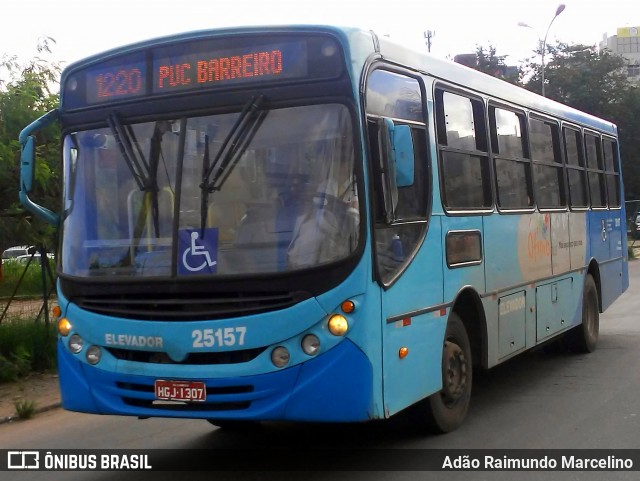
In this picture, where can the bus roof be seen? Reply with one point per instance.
(481, 83)
(363, 45)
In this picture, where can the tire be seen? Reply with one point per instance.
(584, 338)
(445, 410)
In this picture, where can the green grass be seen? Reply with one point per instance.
(26, 346)
(25, 408)
(31, 284)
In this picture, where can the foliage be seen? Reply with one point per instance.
(25, 409)
(27, 94)
(588, 80)
(596, 83)
(31, 284)
(494, 65)
(26, 346)
(580, 76)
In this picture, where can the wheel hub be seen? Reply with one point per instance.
(455, 371)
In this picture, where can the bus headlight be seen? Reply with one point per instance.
(280, 356)
(64, 327)
(338, 325)
(311, 344)
(75, 344)
(93, 355)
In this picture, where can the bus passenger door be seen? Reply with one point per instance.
(408, 250)
(408, 255)
(413, 324)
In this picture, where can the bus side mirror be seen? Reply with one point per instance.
(28, 169)
(397, 163)
(404, 159)
(27, 164)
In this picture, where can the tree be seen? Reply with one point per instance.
(495, 65)
(27, 94)
(596, 83)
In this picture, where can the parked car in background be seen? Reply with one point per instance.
(36, 258)
(16, 252)
(635, 228)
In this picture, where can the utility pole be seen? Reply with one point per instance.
(428, 35)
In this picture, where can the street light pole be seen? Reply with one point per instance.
(559, 10)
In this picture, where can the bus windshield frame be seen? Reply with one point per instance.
(211, 195)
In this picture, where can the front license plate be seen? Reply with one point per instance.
(189, 391)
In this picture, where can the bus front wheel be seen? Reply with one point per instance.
(445, 411)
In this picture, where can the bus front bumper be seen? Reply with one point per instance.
(333, 387)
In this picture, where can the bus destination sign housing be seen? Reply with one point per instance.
(202, 64)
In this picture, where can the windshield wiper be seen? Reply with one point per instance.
(233, 146)
(123, 140)
(144, 173)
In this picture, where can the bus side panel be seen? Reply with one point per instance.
(502, 251)
(614, 285)
(528, 307)
(560, 243)
(578, 240)
(603, 244)
(510, 322)
(598, 236)
(457, 277)
(611, 275)
(419, 374)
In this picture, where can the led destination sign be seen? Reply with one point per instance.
(125, 80)
(201, 64)
(202, 70)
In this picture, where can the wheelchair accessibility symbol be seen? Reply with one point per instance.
(198, 251)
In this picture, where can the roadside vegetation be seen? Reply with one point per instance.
(25, 409)
(22, 281)
(26, 346)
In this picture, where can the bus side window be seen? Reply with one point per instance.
(597, 188)
(511, 163)
(546, 154)
(612, 173)
(398, 99)
(575, 168)
(463, 152)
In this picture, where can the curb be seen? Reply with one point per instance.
(15, 417)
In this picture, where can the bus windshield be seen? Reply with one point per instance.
(259, 191)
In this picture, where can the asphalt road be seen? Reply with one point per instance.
(541, 400)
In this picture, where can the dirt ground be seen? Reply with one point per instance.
(19, 308)
(40, 388)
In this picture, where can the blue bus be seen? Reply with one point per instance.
(314, 223)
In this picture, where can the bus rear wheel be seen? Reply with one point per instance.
(584, 338)
(445, 411)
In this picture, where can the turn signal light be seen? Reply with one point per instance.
(348, 307)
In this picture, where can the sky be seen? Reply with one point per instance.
(84, 27)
